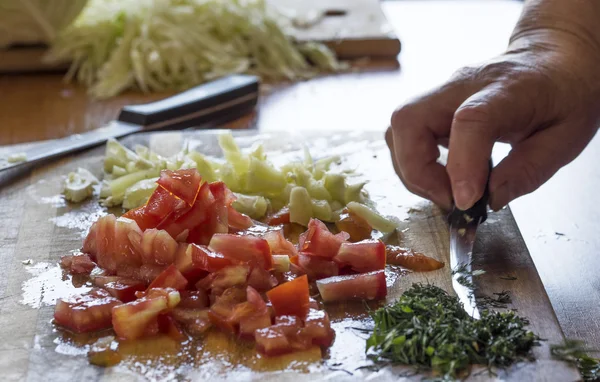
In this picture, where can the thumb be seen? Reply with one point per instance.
(476, 126)
(535, 160)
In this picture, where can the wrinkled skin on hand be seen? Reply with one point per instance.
(542, 96)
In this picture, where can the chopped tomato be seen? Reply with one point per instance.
(261, 279)
(168, 325)
(185, 264)
(280, 217)
(319, 241)
(343, 236)
(193, 299)
(246, 249)
(291, 298)
(411, 260)
(279, 244)
(146, 273)
(272, 341)
(196, 215)
(290, 324)
(110, 239)
(156, 247)
(194, 321)
(317, 327)
(355, 226)
(222, 310)
(79, 264)
(205, 259)
(139, 318)
(169, 278)
(161, 205)
(249, 325)
(225, 278)
(87, 312)
(363, 256)
(184, 183)
(362, 286)
(224, 197)
(238, 220)
(122, 288)
(317, 267)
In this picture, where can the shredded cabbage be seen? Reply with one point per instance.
(157, 45)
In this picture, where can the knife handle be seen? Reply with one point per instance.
(478, 212)
(226, 98)
(206, 105)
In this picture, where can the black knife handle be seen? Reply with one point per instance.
(479, 209)
(224, 99)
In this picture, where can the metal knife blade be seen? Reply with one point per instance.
(206, 105)
(462, 238)
(463, 229)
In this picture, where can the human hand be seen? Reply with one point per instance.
(541, 96)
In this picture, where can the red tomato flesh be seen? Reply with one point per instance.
(207, 260)
(319, 241)
(225, 278)
(280, 217)
(363, 256)
(362, 286)
(80, 264)
(317, 327)
(87, 312)
(170, 327)
(245, 249)
(317, 267)
(261, 279)
(184, 183)
(291, 298)
(122, 288)
(193, 299)
(169, 278)
(278, 244)
(195, 321)
(357, 228)
(132, 320)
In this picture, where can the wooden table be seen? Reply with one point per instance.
(438, 37)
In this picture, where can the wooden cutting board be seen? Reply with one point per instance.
(352, 28)
(38, 227)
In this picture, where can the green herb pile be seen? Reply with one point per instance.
(573, 352)
(429, 329)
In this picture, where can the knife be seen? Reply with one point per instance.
(204, 106)
(463, 228)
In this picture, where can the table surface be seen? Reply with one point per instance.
(438, 37)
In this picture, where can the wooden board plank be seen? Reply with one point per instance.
(40, 227)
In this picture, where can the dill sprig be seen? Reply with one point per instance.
(573, 352)
(430, 330)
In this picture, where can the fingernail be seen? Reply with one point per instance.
(464, 194)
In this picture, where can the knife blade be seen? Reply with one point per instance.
(204, 106)
(463, 229)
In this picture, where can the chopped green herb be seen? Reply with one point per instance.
(508, 277)
(465, 276)
(573, 352)
(501, 300)
(430, 330)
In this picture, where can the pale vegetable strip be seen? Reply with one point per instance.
(157, 45)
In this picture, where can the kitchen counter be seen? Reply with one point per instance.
(558, 221)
